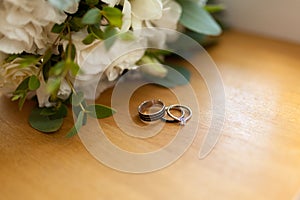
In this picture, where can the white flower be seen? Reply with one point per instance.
(43, 95)
(25, 25)
(111, 3)
(171, 13)
(2, 57)
(138, 9)
(11, 75)
(94, 60)
(146, 10)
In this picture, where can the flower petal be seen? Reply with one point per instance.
(146, 9)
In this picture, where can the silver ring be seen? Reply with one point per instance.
(183, 119)
(174, 120)
(151, 110)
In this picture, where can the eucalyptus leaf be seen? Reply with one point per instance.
(93, 16)
(53, 85)
(73, 50)
(92, 2)
(23, 85)
(44, 123)
(96, 31)
(109, 34)
(57, 69)
(58, 28)
(113, 15)
(33, 82)
(48, 111)
(88, 39)
(77, 126)
(77, 98)
(214, 8)
(28, 60)
(60, 112)
(74, 68)
(100, 111)
(196, 18)
(76, 24)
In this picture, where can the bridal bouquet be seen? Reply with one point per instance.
(47, 45)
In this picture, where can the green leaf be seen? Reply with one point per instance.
(16, 97)
(76, 24)
(92, 2)
(21, 92)
(113, 15)
(58, 28)
(74, 68)
(33, 83)
(57, 69)
(28, 60)
(60, 112)
(53, 85)
(109, 34)
(73, 50)
(78, 109)
(100, 111)
(23, 85)
(176, 76)
(48, 111)
(22, 100)
(47, 56)
(214, 8)
(127, 36)
(196, 18)
(44, 123)
(77, 126)
(93, 16)
(88, 39)
(96, 31)
(77, 98)
(11, 57)
(204, 40)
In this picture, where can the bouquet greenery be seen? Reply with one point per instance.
(47, 45)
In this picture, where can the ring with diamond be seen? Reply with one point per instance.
(151, 110)
(172, 120)
(182, 119)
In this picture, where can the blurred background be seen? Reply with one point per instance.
(274, 18)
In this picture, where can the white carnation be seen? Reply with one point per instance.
(25, 25)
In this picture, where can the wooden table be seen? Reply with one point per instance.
(257, 156)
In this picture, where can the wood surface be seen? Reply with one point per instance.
(257, 156)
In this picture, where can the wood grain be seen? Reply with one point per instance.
(257, 157)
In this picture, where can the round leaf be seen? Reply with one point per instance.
(44, 123)
(33, 83)
(93, 16)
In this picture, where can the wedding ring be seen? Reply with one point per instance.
(182, 119)
(174, 120)
(151, 110)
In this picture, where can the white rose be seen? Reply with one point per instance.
(25, 25)
(11, 75)
(95, 59)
